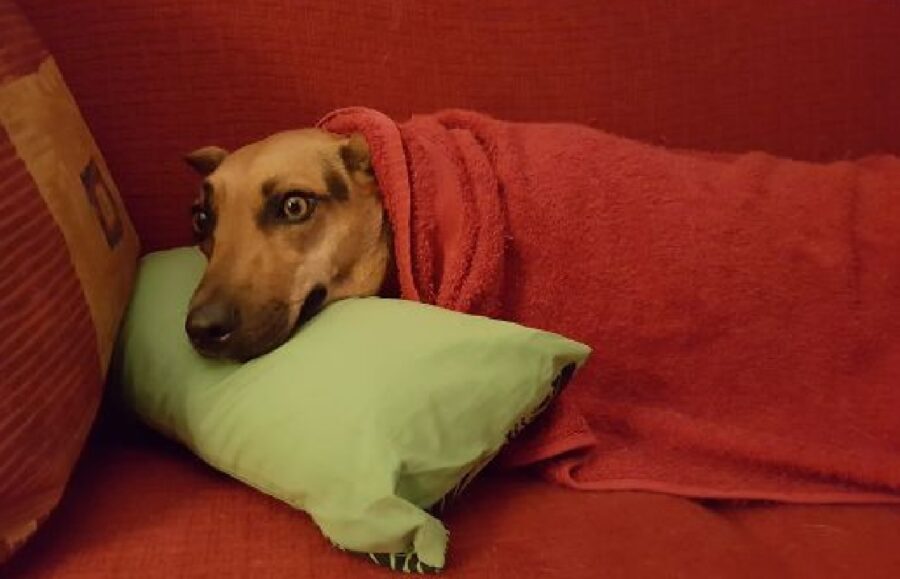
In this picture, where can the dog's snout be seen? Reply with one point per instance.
(209, 325)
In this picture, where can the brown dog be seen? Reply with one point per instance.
(289, 224)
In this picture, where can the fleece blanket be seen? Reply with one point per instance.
(744, 310)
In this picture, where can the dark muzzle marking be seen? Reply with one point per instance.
(312, 305)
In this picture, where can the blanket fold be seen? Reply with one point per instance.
(744, 310)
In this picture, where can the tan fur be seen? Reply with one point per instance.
(343, 247)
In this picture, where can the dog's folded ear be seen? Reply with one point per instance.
(205, 159)
(356, 157)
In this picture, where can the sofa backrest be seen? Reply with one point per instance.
(156, 78)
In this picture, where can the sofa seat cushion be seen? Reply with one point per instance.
(140, 507)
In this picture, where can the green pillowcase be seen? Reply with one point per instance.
(375, 411)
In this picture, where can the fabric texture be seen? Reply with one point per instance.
(745, 309)
(159, 78)
(144, 509)
(374, 411)
(67, 254)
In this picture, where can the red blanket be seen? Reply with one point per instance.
(744, 310)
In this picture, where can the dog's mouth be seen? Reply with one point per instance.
(272, 331)
(312, 305)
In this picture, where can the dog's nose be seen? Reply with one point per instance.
(211, 324)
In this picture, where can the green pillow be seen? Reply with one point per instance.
(369, 415)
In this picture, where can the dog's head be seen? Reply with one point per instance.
(288, 224)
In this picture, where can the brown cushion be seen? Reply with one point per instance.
(143, 508)
(67, 256)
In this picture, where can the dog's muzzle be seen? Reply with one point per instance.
(211, 325)
(220, 329)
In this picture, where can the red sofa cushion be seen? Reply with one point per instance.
(158, 78)
(141, 508)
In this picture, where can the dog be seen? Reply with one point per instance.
(289, 224)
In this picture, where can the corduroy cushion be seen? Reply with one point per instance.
(67, 255)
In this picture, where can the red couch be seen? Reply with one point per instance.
(156, 78)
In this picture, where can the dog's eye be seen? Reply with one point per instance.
(201, 221)
(297, 207)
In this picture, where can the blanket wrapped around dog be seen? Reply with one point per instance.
(744, 310)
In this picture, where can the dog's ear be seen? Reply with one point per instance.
(356, 158)
(205, 159)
